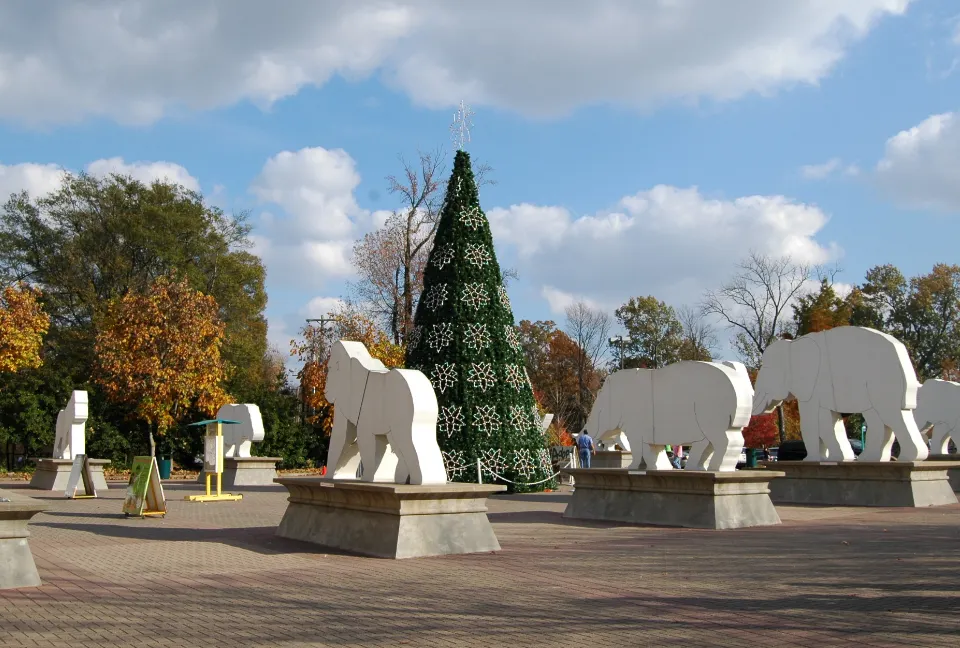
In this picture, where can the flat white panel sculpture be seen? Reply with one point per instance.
(71, 428)
(705, 404)
(938, 407)
(237, 439)
(384, 420)
(845, 370)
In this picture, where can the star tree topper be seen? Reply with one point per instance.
(460, 128)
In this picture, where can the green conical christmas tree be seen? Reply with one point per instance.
(465, 341)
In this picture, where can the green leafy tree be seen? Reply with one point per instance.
(465, 341)
(656, 335)
(821, 310)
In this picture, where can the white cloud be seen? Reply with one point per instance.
(559, 300)
(921, 165)
(137, 60)
(828, 168)
(145, 172)
(35, 179)
(321, 306)
(670, 242)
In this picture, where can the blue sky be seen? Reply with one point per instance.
(640, 147)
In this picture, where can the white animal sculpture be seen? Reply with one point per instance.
(938, 407)
(71, 428)
(705, 404)
(845, 370)
(238, 438)
(612, 438)
(384, 419)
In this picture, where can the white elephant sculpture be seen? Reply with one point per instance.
(71, 432)
(705, 404)
(238, 438)
(384, 420)
(938, 407)
(845, 370)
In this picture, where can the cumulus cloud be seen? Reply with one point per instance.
(137, 60)
(321, 306)
(667, 241)
(145, 172)
(42, 179)
(559, 300)
(921, 165)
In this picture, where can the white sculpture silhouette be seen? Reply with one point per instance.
(71, 427)
(705, 404)
(238, 438)
(845, 370)
(938, 407)
(384, 420)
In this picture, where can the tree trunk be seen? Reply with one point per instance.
(781, 425)
(407, 282)
(153, 444)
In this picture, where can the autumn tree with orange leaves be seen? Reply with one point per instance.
(159, 354)
(313, 350)
(22, 327)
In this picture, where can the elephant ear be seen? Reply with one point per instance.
(805, 367)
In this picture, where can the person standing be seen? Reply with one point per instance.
(586, 446)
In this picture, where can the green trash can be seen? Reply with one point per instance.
(751, 458)
(165, 467)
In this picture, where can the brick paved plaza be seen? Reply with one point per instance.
(215, 575)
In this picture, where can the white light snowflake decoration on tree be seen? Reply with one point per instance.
(471, 217)
(536, 420)
(444, 376)
(477, 337)
(413, 337)
(524, 463)
(519, 417)
(486, 419)
(454, 463)
(436, 297)
(482, 376)
(545, 463)
(443, 255)
(491, 459)
(441, 335)
(450, 420)
(477, 254)
(513, 339)
(514, 376)
(475, 295)
(504, 297)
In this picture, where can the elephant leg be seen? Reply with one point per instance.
(727, 455)
(810, 429)
(343, 459)
(912, 445)
(420, 454)
(940, 439)
(655, 456)
(382, 466)
(701, 453)
(879, 441)
(834, 437)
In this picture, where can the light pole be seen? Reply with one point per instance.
(619, 341)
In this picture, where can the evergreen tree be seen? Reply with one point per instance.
(465, 341)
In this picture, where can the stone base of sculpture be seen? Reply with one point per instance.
(53, 474)
(678, 498)
(953, 474)
(17, 568)
(863, 483)
(246, 471)
(611, 459)
(389, 520)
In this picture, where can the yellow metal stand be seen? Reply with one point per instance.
(219, 497)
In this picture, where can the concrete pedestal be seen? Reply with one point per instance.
(953, 474)
(611, 459)
(17, 568)
(681, 498)
(246, 471)
(53, 474)
(389, 520)
(863, 483)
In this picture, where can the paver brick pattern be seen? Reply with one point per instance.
(216, 575)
